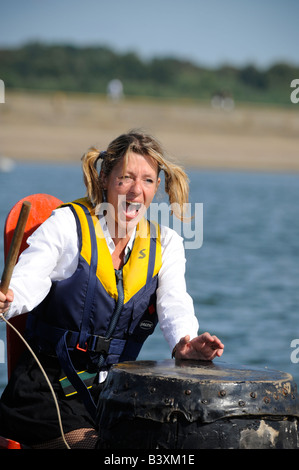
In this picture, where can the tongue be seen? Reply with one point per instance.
(131, 208)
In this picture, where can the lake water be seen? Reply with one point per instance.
(244, 279)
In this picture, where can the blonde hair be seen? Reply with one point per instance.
(176, 180)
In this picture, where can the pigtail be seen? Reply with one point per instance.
(91, 176)
(177, 188)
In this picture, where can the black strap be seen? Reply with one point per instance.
(117, 310)
(67, 365)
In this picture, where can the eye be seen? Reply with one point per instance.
(124, 178)
(149, 180)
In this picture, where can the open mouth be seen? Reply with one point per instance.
(130, 210)
(133, 208)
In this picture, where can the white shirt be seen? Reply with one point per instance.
(53, 254)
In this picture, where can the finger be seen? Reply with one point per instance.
(184, 340)
(218, 342)
(214, 340)
(9, 297)
(219, 352)
(207, 337)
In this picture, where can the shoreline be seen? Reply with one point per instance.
(58, 127)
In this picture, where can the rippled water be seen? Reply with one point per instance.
(244, 279)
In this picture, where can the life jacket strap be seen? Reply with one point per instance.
(79, 385)
(51, 334)
(117, 311)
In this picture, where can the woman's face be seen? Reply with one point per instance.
(130, 190)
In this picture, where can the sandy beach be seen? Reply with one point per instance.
(61, 127)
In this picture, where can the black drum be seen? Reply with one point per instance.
(197, 405)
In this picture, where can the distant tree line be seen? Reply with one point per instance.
(89, 69)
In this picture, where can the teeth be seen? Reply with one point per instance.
(133, 206)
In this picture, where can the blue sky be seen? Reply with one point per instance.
(208, 32)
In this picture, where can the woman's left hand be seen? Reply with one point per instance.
(204, 347)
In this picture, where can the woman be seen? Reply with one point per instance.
(95, 273)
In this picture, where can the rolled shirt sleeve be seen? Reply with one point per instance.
(174, 305)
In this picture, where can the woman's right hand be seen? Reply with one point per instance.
(5, 300)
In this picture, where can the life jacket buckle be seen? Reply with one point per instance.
(81, 349)
(100, 344)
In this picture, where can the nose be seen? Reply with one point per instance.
(136, 187)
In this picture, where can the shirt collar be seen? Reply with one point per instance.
(109, 241)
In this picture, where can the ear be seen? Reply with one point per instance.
(158, 184)
(103, 179)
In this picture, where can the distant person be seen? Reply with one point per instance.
(91, 259)
(223, 100)
(2, 91)
(115, 90)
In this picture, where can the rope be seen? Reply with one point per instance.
(45, 375)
